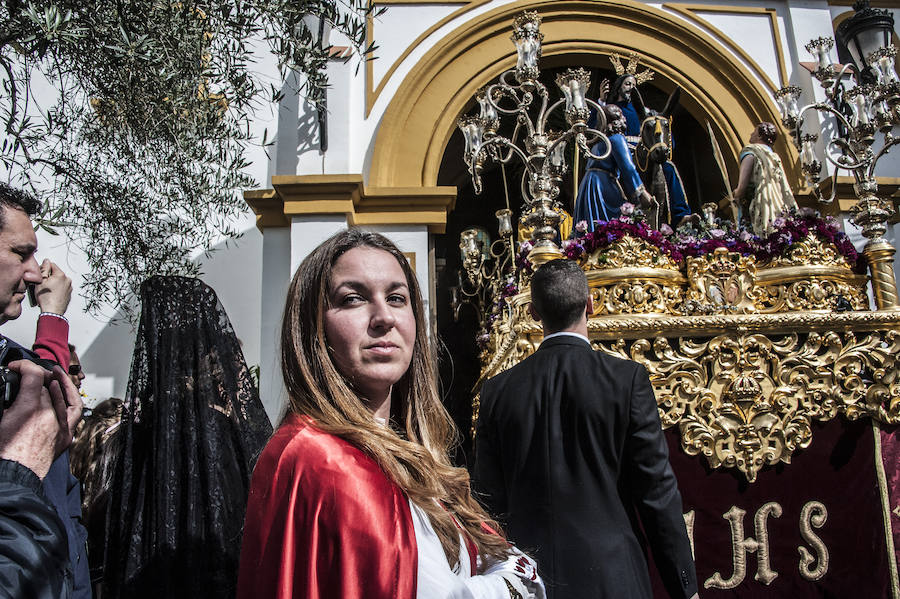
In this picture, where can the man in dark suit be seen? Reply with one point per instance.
(570, 455)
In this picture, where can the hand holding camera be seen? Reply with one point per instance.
(38, 426)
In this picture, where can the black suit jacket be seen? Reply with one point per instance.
(569, 453)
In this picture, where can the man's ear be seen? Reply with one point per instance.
(533, 312)
(589, 306)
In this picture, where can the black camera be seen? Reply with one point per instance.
(9, 388)
(9, 380)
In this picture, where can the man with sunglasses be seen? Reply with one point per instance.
(52, 290)
(76, 373)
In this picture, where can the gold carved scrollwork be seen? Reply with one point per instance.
(510, 343)
(745, 401)
(633, 277)
(635, 297)
(743, 357)
(811, 251)
(809, 294)
(811, 276)
(720, 283)
(628, 252)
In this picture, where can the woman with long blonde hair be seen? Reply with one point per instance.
(355, 496)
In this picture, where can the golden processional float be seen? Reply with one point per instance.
(776, 382)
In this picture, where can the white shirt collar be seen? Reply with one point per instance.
(569, 334)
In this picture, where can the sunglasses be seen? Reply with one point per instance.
(74, 369)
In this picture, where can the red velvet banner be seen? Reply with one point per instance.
(820, 526)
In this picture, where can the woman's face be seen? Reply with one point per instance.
(369, 323)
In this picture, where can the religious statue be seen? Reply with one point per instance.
(762, 189)
(668, 189)
(608, 183)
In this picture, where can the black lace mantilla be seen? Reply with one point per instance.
(192, 428)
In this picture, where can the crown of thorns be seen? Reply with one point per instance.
(631, 68)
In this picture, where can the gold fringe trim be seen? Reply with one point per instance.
(886, 510)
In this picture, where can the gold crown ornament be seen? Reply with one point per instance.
(631, 68)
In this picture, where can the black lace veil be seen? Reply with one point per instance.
(192, 428)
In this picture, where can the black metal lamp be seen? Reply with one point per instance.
(868, 30)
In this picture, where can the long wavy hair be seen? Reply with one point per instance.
(413, 450)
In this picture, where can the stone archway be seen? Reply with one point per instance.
(420, 118)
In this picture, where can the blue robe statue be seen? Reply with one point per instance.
(607, 183)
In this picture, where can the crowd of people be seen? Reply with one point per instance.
(189, 493)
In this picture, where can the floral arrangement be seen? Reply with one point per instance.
(608, 232)
(699, 238)
(794, 226)
(695, 238)
(523, 264)
(702, 240)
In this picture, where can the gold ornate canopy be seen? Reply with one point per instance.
(743, 357)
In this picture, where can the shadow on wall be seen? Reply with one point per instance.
(233, 270)
(109, 356)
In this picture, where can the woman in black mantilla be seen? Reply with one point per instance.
(191, 431)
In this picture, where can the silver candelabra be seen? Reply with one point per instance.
(870, 104)
(521, 95)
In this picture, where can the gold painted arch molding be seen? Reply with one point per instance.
(418, 122)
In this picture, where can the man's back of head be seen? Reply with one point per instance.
(559, 294)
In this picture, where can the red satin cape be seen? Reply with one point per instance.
(324, 522)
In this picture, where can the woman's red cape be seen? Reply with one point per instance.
(324, 522)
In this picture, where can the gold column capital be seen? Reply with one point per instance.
(347, 195)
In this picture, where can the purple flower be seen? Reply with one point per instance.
(665, 229)
(627, 209)
(717, 233)
(745, 236)
(483, 340)
(509, 290)
(573, 251)
(581, 226)
(779, 222)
